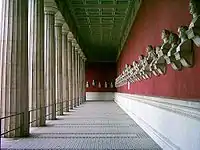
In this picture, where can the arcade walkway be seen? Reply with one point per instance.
(93, 125)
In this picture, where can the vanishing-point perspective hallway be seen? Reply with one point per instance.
(93, 125)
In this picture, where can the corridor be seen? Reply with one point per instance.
(93, 125)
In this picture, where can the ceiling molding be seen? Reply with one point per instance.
(62, 6)
(130, 21)
(99, 26)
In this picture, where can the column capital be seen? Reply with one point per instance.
(70, 36)
(65, 28)
(59, 20)
(79, 51)
(81, 54)
(50, 7)
(77, 47)
(74, 42)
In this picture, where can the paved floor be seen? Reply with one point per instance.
(93, 125)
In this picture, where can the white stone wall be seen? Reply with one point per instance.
(96, 96)
(173, 124)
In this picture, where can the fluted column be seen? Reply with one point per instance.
(14, 67)
(84, 90)
(76, 75)
(73, 74)
(70, 71)
(79, 76)
(36, 62)
(50, 9)
(59, 21)
(81, 79)
(65, 71)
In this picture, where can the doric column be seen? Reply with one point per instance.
(59, 21)
(65, 49)
(79, 77)
(36, 62)
(70, 70)
(84, 91)
(73, 74)
(50, 10)
(14, 67)
(76, 75)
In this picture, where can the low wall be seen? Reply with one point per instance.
(172, 124)
(99, 96)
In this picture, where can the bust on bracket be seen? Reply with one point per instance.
(194, 28)
(170, 59)
(184, 51)
(152, 66)
(136, 74)
(151, 57)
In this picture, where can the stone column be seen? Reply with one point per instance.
(81, 78)
(14, 67)
(76, 75)
(36, 62)
(59, 21)
(73, 74)
(84, 90)
(70, 71)
(78, 69)
(65, 49)
(50, 10)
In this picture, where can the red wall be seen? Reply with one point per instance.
(152, 18)
(101, 72)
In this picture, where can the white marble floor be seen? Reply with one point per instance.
(92, 126)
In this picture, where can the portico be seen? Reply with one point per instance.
(100, 74)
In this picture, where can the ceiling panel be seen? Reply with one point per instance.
(101, 24)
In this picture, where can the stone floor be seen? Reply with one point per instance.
(93, 125)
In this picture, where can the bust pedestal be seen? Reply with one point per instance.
(176, 65)
(185, 54)
(194, 31)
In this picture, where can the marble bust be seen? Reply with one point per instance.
(131, 71)
(154, 57)
(87, 84)
(93, 83)
(126, 69)
(184, 51)
(151, 57)
(159, 64)
(111, 85)
(166, 45)
(105, 84)
(194, 27)
(136, 74)
(141, 65)
(170, 59)
(99, 85)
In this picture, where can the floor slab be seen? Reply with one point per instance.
(93, 125)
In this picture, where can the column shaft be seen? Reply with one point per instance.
(79, 96)
(81, 80)
(73, 78)
(70, 79)
(14, 67)
(50, 65)
(84, 92)
(65, 58)
(36, 62)
(76, 78)
(58, 66)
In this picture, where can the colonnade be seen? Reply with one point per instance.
(42, 67)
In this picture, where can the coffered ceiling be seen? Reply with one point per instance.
(100, 26)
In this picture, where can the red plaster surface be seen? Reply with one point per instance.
(153, 16)
(100, 72)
